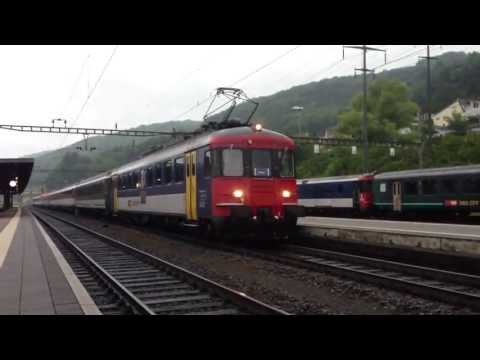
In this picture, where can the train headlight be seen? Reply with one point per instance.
(258, 127)
(238, 193)
(12, 183)
(286, 194)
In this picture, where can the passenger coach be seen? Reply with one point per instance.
(340, 195)
(433, 191)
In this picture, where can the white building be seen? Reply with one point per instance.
(468, 108)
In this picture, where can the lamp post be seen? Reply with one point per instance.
(299, 109)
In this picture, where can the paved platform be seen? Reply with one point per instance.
(35, 279)
(5, 217)
(433, 236)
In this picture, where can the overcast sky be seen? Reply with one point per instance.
(147, 84)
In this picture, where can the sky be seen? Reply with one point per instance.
(101, 85)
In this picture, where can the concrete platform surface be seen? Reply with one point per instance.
(32, 281)
(417, 228)
(432, 236)
(5, 217)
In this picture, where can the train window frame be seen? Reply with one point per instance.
(168, 171)
(178, 178)
(475, 185)
(149, 178)
(222, 162)
(448, 189)
(429, 186)
(406, 187)
(278, 164)
(269, 169)
(207, 170)
(158, 178)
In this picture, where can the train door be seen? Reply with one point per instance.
(108, 192)
(397, 196)
(143, 194)
(191, 185)
(114, 193)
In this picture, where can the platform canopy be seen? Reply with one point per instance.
(15, 174)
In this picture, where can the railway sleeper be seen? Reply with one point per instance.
(186, 308)
(159, 295)
(160, 302)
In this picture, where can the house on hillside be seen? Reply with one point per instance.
(468, 108)
(328, 133)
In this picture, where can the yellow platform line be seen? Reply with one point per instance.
(7, 235)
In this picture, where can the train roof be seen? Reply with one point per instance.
(455, 170)
(329, 179)
(237, 136)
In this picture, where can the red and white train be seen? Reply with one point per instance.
(241, 176)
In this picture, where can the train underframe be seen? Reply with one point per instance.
(241, 221)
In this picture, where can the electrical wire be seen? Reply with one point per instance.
(96, 84)
(74, 88)
(271, 62)
(89, 95)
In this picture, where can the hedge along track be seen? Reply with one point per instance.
(136, 282)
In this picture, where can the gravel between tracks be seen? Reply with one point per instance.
(294, 290)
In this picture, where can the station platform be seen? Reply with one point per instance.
(451, 238)
(35, 279)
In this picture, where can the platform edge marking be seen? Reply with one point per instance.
(7, 235)
(83, 297)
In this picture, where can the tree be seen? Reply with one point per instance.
(389, 109)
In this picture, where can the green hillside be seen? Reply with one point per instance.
(454, 75)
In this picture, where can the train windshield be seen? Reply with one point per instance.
(284, 163)
(232, 162)
(255, 163)
(262, 163)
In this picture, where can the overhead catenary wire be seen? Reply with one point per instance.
(96, 84)
(243, 78)
(89, 95)
(74, 87)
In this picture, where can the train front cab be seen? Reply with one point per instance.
(242, 188)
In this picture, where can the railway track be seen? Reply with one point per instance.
(435, 284)
(451, 287)
(124, 280)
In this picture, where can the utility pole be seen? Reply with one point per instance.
(365, 70)
(427, 131)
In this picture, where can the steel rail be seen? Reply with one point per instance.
(416, 288)
(129, 299)
(235, 297)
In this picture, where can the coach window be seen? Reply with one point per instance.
(207, 164)
(471, 186)
(429, 187)
(179, 169)
(448, 186)
(232, 162)
(149, 177)
(168, 171)
(158, 173)
(262, 163)
(411, 188)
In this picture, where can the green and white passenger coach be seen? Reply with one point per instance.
(441, 190)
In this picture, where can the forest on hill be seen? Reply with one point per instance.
(325, 103)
